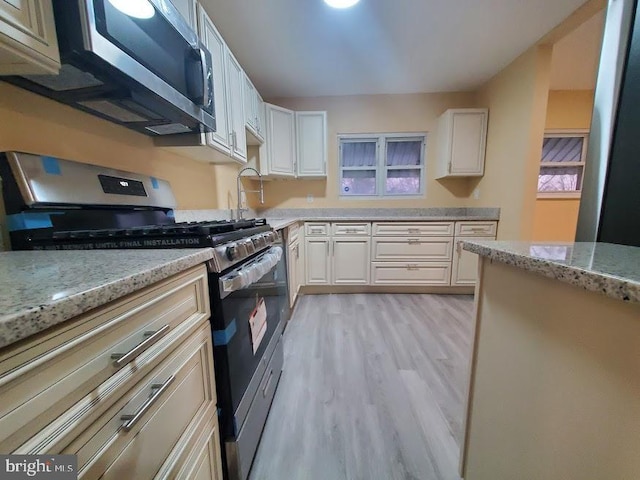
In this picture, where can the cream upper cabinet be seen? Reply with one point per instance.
(262, 119)
(188, 10)
(215, 43)
(28, 42)
(280, 142)
(235, 86)
(351, 259)
(462, 135)
(317, 263)
(311, 136)
(253, 104)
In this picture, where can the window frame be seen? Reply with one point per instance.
(381, 168)
(572, 133)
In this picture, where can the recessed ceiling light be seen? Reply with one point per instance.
(135, 8)
(341, 3)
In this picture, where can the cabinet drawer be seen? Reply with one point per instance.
(43, 378)
(404, 229)
(351, 229)
(109, 450)
(412, 249)
(397, 273)
(476, 229)
(201, 457)
(316, 229)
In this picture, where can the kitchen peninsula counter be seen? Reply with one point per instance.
(555, 370)
(41, 289)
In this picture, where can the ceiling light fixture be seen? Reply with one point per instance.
(135, 8)
(341, 3)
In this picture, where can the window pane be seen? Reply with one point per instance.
(567, 179)
(403, 182)
(401, 153)
(358, 182)
(359, 154)
(562, 149)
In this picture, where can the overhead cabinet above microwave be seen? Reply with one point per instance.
(148, 72)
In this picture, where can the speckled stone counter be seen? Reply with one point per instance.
(613, 270)
(41, 289)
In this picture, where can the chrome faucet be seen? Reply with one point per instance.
(239, 185)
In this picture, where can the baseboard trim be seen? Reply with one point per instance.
(327, 289)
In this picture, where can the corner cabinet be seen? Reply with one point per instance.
(28, 42)
(311, 139)
(253, 110)
(462, 135)
(281, 140)
(295, 144)
(465, 263)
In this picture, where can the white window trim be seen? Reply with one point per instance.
(566, 133)
(381, 168)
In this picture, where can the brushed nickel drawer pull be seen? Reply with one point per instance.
(157, 390)
(478, 229)
(121, 359)
(414, 230)
(412, 267)
(413, 241)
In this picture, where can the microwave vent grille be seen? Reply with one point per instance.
(70, 78)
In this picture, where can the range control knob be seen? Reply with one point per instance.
(232, 252)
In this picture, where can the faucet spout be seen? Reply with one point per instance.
(240, 190)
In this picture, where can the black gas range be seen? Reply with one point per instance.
(55, 204)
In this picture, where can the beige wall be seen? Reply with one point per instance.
(556, 219)
(517, 100)
(35, 124)
(372, 114)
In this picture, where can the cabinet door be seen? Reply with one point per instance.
(351, 261)
(311, 135)
(281, 140)
(28, 42)
(292, 268)
(187, 9)
(235, 78)
(214, 42)
(317, 261)
(468, 136)
(465, 263)
(260, 111)
(251, 117)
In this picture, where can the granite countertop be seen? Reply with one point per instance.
(280, 223)
(40, 289)
(613, 270)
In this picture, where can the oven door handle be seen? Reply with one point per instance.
(249, 273)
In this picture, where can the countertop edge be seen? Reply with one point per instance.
(280, 223)
(612, 286)
(32, 321)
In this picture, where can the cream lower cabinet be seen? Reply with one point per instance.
(465, 263)
(294, 261)
(317, 260)
(128, 388)
(351, 261)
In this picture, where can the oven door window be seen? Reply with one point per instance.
(156, 44)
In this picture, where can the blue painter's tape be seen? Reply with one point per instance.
(154, 183)
(51, 165)
(171, 214)
(223, 337)
(28, 221)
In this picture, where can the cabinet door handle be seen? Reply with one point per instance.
(327, 248)
(121, 359)
(297, 251)
(157, 390)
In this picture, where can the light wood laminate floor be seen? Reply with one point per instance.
(372, 388)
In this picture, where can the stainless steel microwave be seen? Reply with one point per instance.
(133, 62)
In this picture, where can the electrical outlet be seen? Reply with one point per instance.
(309, 198)
(476, 193)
